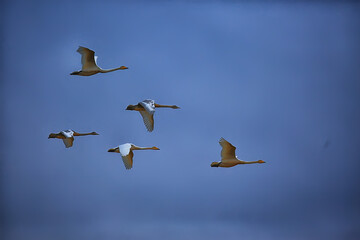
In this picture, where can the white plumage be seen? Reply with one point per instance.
(89, 66)
(126, 152)
(147, 110)
(68, 136)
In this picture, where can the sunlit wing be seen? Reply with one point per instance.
(126, 155)
(228, 150)
(68, 142)
(149, 105)
(87, 59)
(148, 119)
(67, 133)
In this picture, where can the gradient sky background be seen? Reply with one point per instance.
(280, 81)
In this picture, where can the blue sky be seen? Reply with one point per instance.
(280, 81)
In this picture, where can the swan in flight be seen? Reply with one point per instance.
(126, 151)
(228, 158)
(89, 66)
(147, 110)
(68, 136)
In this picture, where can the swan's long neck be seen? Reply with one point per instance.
(83, 134)
(250, 162)
(111, 70)
(143, 148)
(133, 147)
(165, 106)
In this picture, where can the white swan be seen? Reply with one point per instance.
(126, 151)
(228, 158)
(89, 66)
(68, 136)
(147, 110)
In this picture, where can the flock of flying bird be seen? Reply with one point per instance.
(147, 109)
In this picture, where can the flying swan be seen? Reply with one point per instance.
(147, 110)
(126, 151)
(68, 136)
(89, 66)
(228, 158)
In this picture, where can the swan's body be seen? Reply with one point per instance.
(68, 136)
(89, 66)
(147, 110)
(228, 158)
(126, 151)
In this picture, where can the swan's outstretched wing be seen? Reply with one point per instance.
(148, 119)
(68, 142)
(67, 133)
(148, 114)
(149, 105)
(228, 150)
(69, 137)
(126, 155)
(87, 59)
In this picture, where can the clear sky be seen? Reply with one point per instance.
(280, 81)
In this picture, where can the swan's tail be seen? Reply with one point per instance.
(130, 107)
(215, 164)
(52, 135)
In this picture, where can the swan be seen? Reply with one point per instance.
(126, 151)
(68, 136)
(88, 61)
(228, 158)
(147, 110)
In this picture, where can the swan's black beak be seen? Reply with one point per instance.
(111, 150)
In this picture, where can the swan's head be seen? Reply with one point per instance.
(155, 148)
(175, 107)
(261, 161)
(123, 68)
(114, 149)
(94, 133)
(215, 164)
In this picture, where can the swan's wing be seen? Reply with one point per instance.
(126, 155)
(149, 105)
(68, 142)
(128, 160)
(148, 119)
(67, 133)
(228, 150)
(87, 59)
